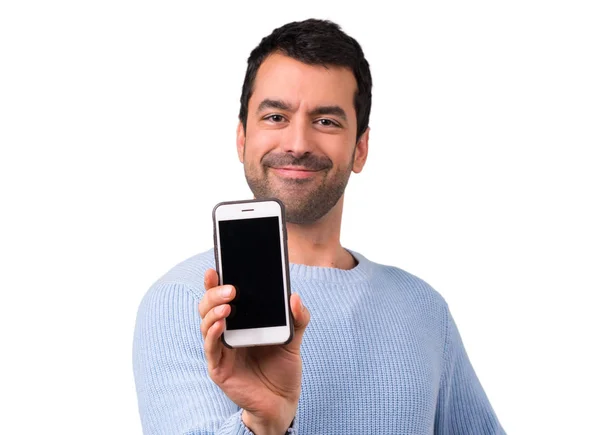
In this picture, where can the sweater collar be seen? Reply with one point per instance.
(360, 272)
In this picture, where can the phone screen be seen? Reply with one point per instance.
(251, 261)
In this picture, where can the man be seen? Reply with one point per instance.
(375, 349)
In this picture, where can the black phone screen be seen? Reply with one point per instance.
(251, 261)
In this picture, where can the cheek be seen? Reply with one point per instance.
(259, 143)
(340, 153)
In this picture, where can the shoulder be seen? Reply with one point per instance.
(413, 290)
(172, 299)
(188, 274)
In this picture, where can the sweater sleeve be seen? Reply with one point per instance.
(175, 393)
(463, 407)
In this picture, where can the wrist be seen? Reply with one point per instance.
(260, 426)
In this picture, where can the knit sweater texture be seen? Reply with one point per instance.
(381, 355)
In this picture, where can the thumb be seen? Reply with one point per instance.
(301, 318)
(300, 313)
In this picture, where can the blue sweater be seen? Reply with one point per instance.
(381, 355)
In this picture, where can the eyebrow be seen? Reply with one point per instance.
(268, 103)
(329, 110)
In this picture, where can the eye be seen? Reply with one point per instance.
(327, 122)
(275, 118)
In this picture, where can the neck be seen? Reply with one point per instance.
(318, 244)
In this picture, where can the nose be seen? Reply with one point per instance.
(298, 139)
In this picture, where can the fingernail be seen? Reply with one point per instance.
(226, 291)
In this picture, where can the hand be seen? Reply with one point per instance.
(265, 380)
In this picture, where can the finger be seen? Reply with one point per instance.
(213, 347)
(215, 296)
(211, 279)
(217, 313)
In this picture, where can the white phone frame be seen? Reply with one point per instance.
(252, 209)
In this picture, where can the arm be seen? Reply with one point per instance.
(175, 393)
(463, 407)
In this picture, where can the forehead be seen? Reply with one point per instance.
(281, 77)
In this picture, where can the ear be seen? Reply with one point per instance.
(240, 141)
(361, 152)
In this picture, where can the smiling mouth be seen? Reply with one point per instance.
(294, 171)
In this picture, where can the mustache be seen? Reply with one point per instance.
(311, 162)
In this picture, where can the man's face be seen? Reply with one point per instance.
(300, 139)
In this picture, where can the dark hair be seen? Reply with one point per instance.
(314, 42)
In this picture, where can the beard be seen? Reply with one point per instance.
(306, 200)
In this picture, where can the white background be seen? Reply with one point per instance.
(117, 129)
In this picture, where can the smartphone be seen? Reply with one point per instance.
(251, 254)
